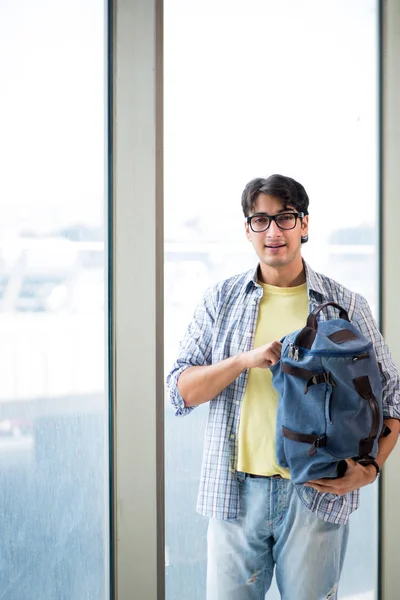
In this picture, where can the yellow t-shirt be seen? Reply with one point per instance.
(281, 311)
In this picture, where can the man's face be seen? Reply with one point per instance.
(276, 247)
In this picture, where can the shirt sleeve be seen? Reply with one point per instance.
(390, 374)
(195, 349)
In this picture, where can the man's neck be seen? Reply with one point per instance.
(287, 276)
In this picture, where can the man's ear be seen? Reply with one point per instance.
(304, 229)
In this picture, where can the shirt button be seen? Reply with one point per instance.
(232, 436)
(237, 402)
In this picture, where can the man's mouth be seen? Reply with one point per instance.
(274, 246)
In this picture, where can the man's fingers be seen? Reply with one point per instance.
(323, 482)
(270, 354)
(273, 357)
(277, 347)
(274, 351)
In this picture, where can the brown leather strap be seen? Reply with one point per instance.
(361, 357)
(365, 447)
(317, 378)
(306, 337)
(317, 441)
(385, 431)
(312, 317)
(363, 387)
(343, 335)
(297, 371)
(311, 377)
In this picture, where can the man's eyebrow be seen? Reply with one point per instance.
(287, 209)
(282, 210)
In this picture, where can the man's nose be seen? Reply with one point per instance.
(273, 230)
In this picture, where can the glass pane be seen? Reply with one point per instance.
(53, 393)
(253, 89)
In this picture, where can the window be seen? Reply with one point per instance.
(253, 89)
(53, 396)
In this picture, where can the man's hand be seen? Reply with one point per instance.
(263, 357)
(356, 476)
(199, 384)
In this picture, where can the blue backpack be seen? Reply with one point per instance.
(330, 398)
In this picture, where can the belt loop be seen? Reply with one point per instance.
(240, 476)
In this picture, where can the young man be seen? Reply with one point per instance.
(258, 519)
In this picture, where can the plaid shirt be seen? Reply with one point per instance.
(224, 325)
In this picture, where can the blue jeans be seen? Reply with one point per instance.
(274, 530)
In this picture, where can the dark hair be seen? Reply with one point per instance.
(289, 191)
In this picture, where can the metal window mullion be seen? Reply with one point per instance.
(137, 300)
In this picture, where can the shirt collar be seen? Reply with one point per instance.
(251, 279)
(315, 285)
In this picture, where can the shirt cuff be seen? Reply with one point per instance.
(175, 396)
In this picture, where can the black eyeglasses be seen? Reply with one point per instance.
(260, 221)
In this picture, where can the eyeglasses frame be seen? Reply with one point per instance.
(297, 215)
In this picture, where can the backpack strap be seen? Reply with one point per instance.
(297, 371)
(307, 335)
(363, 387)
(317, 441)
(317, 378)
(311, 377)
(312, 317)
